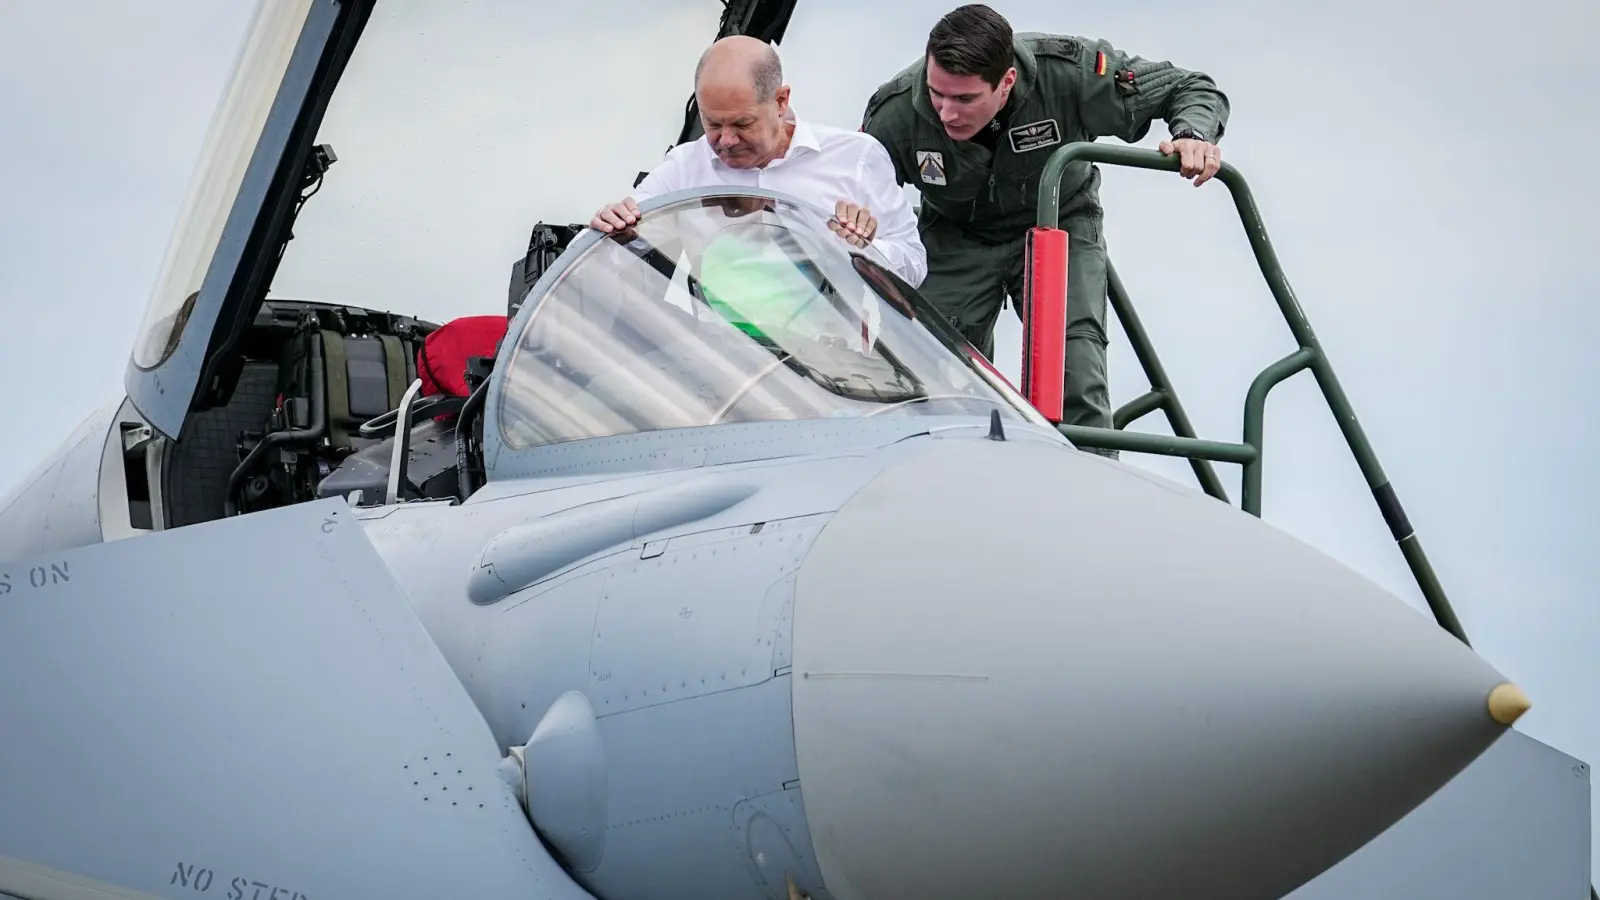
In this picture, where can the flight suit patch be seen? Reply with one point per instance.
(1069, 49)
(930, 166)
(1034, 135)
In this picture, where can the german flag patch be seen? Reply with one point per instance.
(1100, 63)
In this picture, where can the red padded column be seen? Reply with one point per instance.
(1044, 321)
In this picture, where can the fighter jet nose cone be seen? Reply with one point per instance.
(1022, 671)
(1507, 703)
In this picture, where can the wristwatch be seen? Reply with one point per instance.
(1184, 132)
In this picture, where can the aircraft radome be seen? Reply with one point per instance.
(640, 601)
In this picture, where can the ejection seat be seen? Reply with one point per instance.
(328, 383)
(366, 377)
(452, 361)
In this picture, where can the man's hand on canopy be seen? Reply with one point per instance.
(855, 224)
(623, 214)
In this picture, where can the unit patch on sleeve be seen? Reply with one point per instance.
(930, 165)
(1034, 135)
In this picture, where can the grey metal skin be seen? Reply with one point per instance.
(77, 495)
(875, 658)
(988, 696)
(188, 715)
(819, 668)
(1515, 823)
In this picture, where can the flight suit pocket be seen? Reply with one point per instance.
(954, 201)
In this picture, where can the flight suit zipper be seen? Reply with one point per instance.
(974, 213)
(1001, 208)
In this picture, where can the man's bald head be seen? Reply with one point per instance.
(739, 88)
(737, 57)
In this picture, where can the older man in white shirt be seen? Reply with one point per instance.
(754, 139)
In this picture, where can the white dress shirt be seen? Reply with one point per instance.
(823, 165)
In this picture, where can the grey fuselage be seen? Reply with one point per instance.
(876, 657)
(675, 612)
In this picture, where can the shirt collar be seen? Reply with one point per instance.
(803, 136)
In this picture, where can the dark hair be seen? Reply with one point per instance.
(973, 40)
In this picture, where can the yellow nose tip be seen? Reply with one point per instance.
(1507, 703)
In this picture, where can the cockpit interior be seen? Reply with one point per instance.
(718, 308)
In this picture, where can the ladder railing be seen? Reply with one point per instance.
(1162, 396)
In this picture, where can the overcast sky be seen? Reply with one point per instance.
(1420, 164)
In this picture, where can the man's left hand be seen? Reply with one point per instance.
(1196, 158)
(855, 224)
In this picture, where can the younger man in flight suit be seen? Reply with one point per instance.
(972, 124)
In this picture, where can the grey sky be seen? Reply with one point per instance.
(1418, 164)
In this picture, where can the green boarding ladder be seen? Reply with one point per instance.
(1162, 396)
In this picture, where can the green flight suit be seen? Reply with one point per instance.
(977, 206)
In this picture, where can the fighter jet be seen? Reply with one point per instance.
(649, 590)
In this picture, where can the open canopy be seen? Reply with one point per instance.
(727, 307)
(256, 161)
(385, 85)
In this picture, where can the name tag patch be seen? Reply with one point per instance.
(1034, 135)
(930, 165)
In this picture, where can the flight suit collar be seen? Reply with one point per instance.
(1027, 75)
